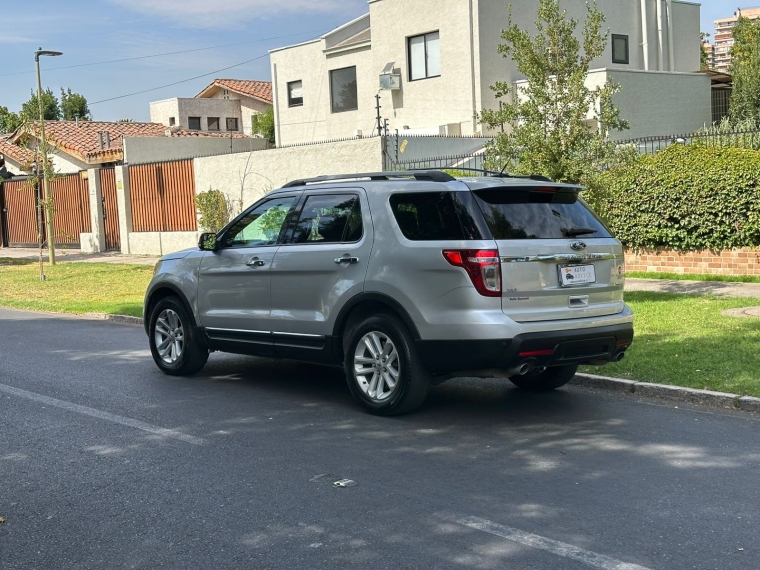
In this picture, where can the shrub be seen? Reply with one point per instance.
(213, 209)
(684, 198)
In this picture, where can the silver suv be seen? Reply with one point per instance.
(404, 279)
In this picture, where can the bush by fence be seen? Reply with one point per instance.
(684, 198)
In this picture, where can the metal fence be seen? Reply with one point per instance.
(460, 163)
(740, 139)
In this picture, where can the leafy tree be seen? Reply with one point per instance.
(704, 57)
(74, 105)
(745, 68)
(263, 125)
(9, 121)
(50, 108)
(559, 126)
(213, 210)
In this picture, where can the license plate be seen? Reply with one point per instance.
(572, 275)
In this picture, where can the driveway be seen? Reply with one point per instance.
(107, 463)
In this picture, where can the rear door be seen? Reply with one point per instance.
(558, 259)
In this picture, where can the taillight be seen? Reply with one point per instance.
(482, 265)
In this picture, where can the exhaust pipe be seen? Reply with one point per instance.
(620, 356)
(521, 369)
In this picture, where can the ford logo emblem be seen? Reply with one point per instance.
(578, 245)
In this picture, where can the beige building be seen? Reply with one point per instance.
(226, 105)
(724, 37)
(433, 63)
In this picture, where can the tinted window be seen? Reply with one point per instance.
(343, 95)
(522, 214)
(260, 226)
(433, 216)
(327, 219)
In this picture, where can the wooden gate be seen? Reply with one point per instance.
(19, 198)
(163, 197)
(71, 208)
(110, 208)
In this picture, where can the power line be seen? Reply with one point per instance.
(162, 54)
(178, 82)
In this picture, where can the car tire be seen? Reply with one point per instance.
(384, 336)
(546, 379)
(174, 344)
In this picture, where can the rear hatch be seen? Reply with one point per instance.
(558, 260)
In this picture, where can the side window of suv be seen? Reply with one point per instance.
(260, 226)
(328, 219)
(435, 216)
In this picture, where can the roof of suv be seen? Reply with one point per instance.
(435, 176)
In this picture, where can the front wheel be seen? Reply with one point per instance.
(173, 343)
(383, 370)
(546, 379)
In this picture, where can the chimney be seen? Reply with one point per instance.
(108, 139)
(76, 119)
(100, 139)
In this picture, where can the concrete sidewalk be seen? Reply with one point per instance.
(77, 255)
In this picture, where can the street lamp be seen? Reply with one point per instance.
(43, 144)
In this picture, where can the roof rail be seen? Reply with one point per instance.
(495, 174)
(430, 175)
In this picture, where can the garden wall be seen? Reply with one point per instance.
(745, 261)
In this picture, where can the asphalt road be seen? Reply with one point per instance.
(106, 463)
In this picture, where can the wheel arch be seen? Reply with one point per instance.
(162, 291)
(368, 304)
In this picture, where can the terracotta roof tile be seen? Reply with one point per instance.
(259, 89)
(19, 154)
(81, 140)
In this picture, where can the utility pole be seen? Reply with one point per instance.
(379, 119)
(43, 146)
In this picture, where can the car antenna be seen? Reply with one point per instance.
(503, 170)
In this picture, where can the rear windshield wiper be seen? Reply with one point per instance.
(572, 232)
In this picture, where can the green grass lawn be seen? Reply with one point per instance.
(694, 277)
(684, 340)
(74, 287)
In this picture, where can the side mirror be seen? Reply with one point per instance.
(207, 242)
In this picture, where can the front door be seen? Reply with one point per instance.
(321, 264)
(234, 281)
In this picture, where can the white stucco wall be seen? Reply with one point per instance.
(64, 163)
(181, 109)
(161, 243)
(468, 67)
(248, 107)
(258, 173)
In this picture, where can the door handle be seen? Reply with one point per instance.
(255, 262)
(346, 259)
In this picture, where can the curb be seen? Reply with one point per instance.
(124, 319)
(677, 393)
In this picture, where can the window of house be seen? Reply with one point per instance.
(194, 123)
(620, 49)
(213, 123)
(232, 124)
(172, 121)
(295, 94)
(343, 94)
(424, 56)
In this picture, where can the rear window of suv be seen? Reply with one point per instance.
(545, 213)
(435, 216)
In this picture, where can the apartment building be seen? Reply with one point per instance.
(433, 63)
(724, 37)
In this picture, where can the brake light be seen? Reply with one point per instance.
(482, 265)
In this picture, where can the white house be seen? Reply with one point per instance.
(433, 63)
(225, 105)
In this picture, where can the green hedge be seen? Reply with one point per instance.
(684, 198)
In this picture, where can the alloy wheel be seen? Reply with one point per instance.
(377, 367)
(169, 336)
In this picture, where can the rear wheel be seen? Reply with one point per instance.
(382, 367)
(546, 379)
(174, 345)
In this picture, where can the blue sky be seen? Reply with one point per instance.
(89, 31)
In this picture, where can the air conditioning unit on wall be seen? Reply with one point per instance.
(390, 78)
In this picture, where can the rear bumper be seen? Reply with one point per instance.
(555, 348)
